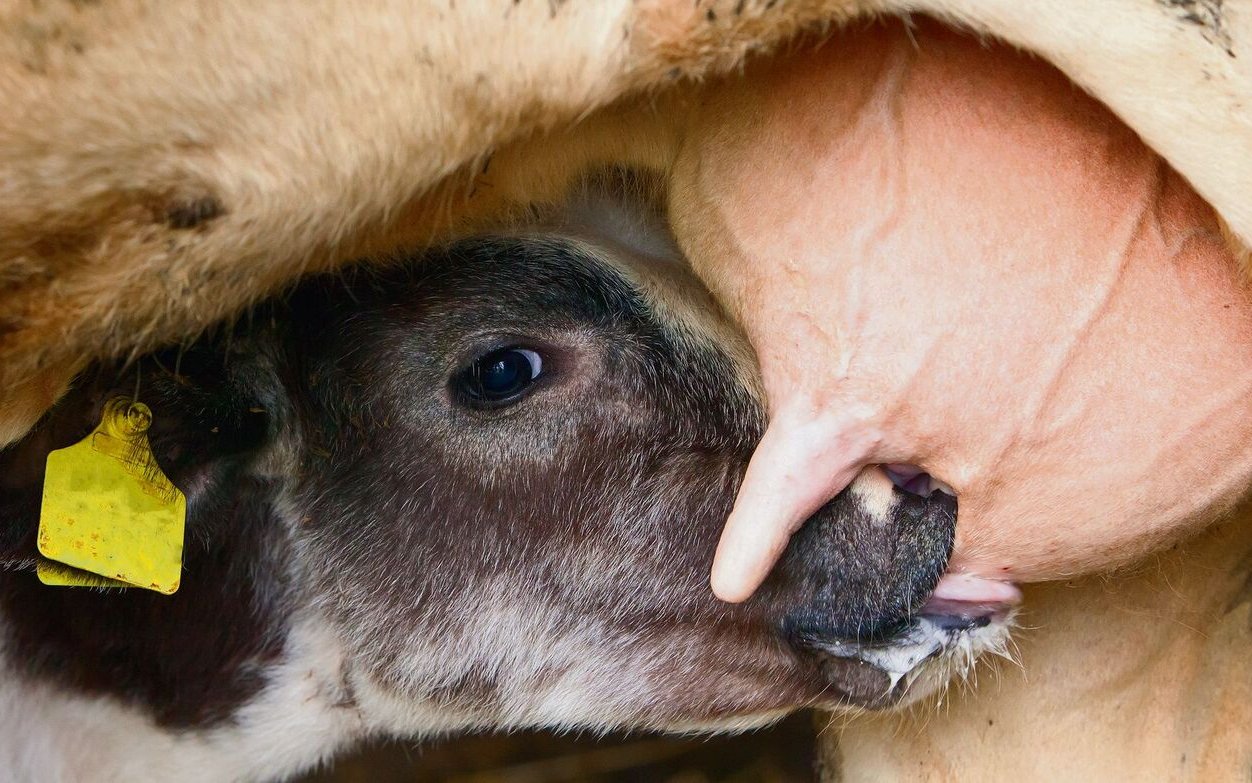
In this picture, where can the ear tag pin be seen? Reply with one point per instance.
(108, 511)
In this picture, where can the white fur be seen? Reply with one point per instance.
(51, 736)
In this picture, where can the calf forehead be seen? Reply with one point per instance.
(475, 285)
(382, 338)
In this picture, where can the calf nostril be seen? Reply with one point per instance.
(915, 481)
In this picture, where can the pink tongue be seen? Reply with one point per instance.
(967, 588)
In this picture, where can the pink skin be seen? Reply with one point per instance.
(947, 256)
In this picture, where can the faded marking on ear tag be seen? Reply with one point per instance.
(57, 574)
(109, 510)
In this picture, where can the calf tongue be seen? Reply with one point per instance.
(970, 589)
(947, 255)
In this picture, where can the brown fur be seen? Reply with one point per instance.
(165, 164)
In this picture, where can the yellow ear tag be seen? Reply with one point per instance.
(109, 510)
(57, 574)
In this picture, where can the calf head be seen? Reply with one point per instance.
(495, 476)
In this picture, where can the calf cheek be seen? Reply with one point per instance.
(578, 581)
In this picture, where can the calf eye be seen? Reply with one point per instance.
(500, 377)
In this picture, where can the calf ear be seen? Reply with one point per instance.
(213, 415)
(214, 409)
(193, 659)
